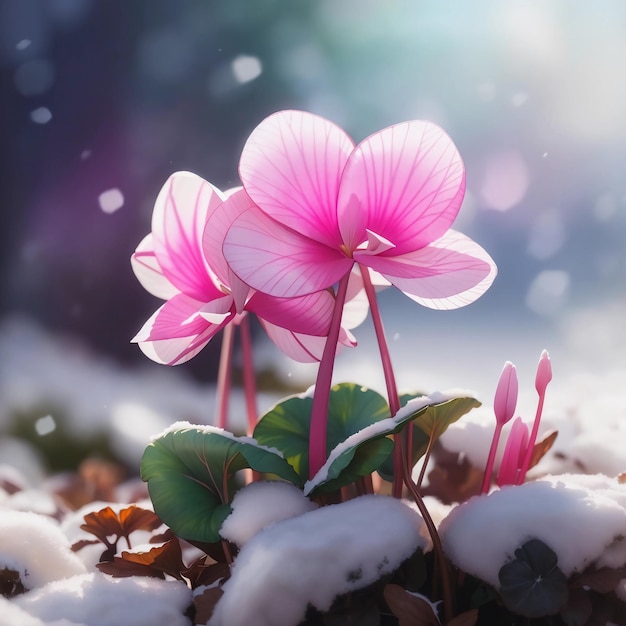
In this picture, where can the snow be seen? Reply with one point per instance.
(91, 395)
(314, 557)
(99, 600)
(35, 547)
(260, 504)
(581, 517)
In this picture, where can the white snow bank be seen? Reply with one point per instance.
(99, 600)
(580, 517)
(13, 615)
(260, 504)
(35, 547)
(312, 558)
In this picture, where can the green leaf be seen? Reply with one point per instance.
(435, 411)
(354, 463)
(532, 585)
(189, 470)
(351, 408)
(431, 421)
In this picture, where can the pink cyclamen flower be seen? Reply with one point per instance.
(325, 205)
(202, 295)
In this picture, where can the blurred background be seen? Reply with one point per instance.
(102, 101)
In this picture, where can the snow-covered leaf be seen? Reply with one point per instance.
(408, 608)
(189, 471)
(532, 584)
(429, 422)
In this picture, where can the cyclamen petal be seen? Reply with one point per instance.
(310, 314)
(178, 350)
(291, 167)
(219, 219)
(405, 183)
(178, 222)
(279, 261)
(452, 272)
(180, 316)
(148, 271)
(304, 348)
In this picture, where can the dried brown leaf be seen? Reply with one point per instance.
(11, 584)
(166, 558)
(410, 610)
(205, 604)
(120, 567)
(135, 518)
(199, 573)
(603, 580)
(103, 524)
(542, 447)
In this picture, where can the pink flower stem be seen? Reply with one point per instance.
(491, 458)
(321, 395)
(531, 441)
(249, 383)
(223, 375)
(390, 379)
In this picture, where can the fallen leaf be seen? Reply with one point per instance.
(410, 610)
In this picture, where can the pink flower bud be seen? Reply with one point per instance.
(505, 399)
(514, 453)
(544, 373)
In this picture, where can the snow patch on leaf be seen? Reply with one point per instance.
(260, 504)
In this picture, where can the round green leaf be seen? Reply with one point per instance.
(286, 425)
(532, 585)
(189, 470)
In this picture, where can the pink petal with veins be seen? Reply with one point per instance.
(148, 271)
(218, 220)
(178, 350)
(356, 306)
(279, 261)
(216, 311)
(405, 183)
(291, 167)
(178, 317)
(310, 314)
(452, 272)
(303, 348)
(178, 222)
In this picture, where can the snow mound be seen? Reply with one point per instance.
(34, 546)
(260, 504)
(312, 558)
(581, 517)
(99, 600)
